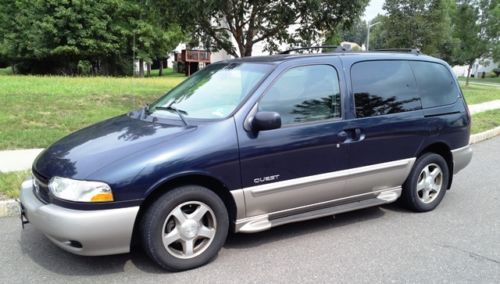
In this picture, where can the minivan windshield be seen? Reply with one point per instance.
(213, 92)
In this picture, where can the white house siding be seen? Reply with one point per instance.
(480, 65)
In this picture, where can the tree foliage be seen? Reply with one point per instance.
(476, 30)
(378, 33)
(357, 33)
(457, 31)
(54, 36)
(423, 24)
(236, 25)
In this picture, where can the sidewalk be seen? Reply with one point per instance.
(486, 84)
(18, 160)
(491, 105)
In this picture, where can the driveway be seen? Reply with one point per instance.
(458, 242)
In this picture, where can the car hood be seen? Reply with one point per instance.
(86, 151)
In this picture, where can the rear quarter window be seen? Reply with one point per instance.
(435, 83)
(383, 87)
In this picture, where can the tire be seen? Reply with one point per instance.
(194, 223)
(426, 185)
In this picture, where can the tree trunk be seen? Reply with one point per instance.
(248, 51)
(148, 69)
(468, 74)
(141, 68)
(160, 72)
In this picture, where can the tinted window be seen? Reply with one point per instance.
(383, 87)
(435, 83)
(305, 93)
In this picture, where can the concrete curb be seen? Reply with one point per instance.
(10, 207)
(475, 138)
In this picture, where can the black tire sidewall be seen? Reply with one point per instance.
(410, 186)
(155, 216)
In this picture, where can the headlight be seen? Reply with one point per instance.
(80, 190)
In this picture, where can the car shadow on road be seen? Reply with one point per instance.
(41, 251)
(302, 229)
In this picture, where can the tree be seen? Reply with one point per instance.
(490, 19)
(357, 33)
(62, 37)
(151, 35)
(423, 24)
(217, 23)
(495, 32)
(52, 36)
(378, 33)
(470, 29)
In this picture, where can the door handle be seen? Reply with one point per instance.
(353, 134)
(342, 135)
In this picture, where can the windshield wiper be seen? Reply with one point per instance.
(145, 111)
(179, 112)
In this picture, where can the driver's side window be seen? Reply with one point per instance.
(303, 94)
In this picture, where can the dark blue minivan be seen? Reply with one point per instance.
(249, 144)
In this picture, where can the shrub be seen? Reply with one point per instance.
(496, 71)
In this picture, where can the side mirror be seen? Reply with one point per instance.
(266, 120)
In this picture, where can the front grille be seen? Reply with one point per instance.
(40, 187)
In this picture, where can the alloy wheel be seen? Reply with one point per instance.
(430, 183)
(189, 229)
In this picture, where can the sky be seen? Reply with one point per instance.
(374, 8)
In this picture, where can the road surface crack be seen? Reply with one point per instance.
(470, 253)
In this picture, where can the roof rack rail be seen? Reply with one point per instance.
(415, 51)
(337, 48)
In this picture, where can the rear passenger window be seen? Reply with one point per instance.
(435, 83)
(383, 87)
(303, 94)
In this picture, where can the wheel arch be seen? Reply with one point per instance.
(444, 151)
(194, 178)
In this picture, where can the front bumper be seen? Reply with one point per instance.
(92, 232)
(461, 158)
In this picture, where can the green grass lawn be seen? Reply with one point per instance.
(11, 182)
(485, 120)
(169, 72)
(475, 94)
(37, 110)
(481, 80)
(6, 71)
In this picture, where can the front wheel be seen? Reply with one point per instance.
(426, 185)
(185, 228)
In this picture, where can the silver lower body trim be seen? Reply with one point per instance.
(319, 195)
(267, 221)
(93, 232)
(461, 158)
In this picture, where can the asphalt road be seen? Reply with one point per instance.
(458, 242)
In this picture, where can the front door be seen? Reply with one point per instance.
(296, 166)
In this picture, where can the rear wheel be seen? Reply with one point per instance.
(185, 228)
(426, 186)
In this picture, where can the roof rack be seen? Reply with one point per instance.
(337, 48)
(415, 51)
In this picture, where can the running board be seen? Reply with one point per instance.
(265, 221)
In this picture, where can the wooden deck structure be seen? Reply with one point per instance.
(189, 61)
